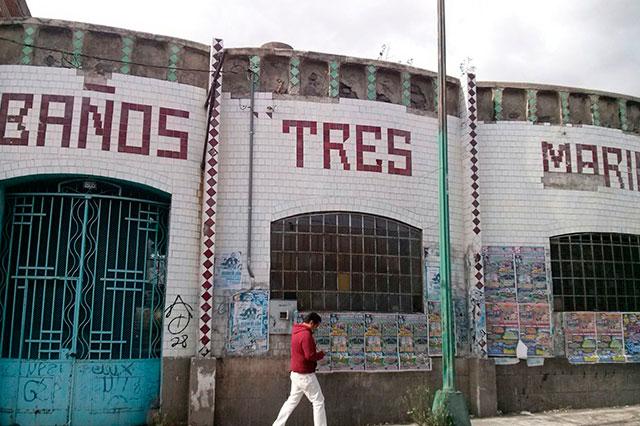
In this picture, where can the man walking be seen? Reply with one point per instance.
(304, 359)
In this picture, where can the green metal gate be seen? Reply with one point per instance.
(82, 283)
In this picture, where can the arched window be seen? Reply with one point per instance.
(596, 272)
(347, 262)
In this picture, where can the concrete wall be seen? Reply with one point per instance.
(558, 385)
(351, 398)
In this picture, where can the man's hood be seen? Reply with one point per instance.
(300, 328)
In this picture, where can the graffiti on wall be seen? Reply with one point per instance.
(517, 306)
(178, 315)
(249, 322)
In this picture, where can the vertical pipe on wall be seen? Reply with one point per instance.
(252, 76)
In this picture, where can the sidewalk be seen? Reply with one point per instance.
(629, 415)
(618, 416)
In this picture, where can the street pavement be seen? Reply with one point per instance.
(617, 416)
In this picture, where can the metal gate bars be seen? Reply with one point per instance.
(82, 276)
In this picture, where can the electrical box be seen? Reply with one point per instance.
(281, 316)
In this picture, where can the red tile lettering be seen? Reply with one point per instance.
(391, 134)
(183, 136)
(27, 103)
(338, 146)
(124, 126)
(361, 148)
(65, 121)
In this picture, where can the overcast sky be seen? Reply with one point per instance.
(592, 44)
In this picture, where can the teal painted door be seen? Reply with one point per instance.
(82, 276)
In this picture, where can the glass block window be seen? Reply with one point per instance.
(596, 272)
(343, 261)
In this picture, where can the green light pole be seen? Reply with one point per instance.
(447, 398)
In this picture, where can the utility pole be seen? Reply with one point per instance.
(447, 398)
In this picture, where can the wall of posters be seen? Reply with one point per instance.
(249, 323)
(517, 301)
(372, 341)
(602, 337)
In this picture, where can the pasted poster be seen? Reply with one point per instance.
(228, 270)
(435, 328)
(433, 283)
(535, 328)
(249, 322)
(461, 315)
(631, 327)
(502, 329)
(347, 342)
(609, 334)
(580, 337)
(531, 275)
(413, 342)
(499, 274)
(381, 341)
(390, 341)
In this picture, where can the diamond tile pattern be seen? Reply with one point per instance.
(371, 83)
(476, 296)
(334, 79)
(406, 89)
(294, 72)
(209, 204)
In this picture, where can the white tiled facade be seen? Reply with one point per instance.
(517, 209)
(283, 189)
(180, 178)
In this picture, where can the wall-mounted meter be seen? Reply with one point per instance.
(281, 316)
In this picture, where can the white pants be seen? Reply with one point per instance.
(304, 384)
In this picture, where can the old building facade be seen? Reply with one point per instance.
(168, 209)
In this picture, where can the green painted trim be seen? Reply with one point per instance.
(27, 44)
(532, 105)
(334, 79)
(174, 58)
(254, 67)
(78, 43)
(497, 103)
(622, 108)
(406, 89)
(595, 109)
(372, 94)
(127, 50)
(294, 72)
(564, 105)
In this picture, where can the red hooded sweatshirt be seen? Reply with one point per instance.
(304, 356)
